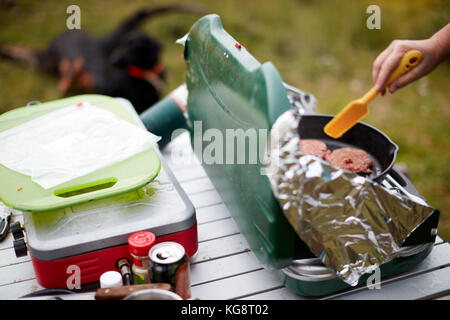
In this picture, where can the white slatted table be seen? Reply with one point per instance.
(224, 266)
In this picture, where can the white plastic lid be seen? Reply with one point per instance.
(110, 279)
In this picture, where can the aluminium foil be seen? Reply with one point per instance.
(351, 223)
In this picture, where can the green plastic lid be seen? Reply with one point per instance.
(18, 191)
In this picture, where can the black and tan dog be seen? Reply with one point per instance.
(125, 64)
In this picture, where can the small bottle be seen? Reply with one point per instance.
(110, 279)
(125, 268)
(139, 244)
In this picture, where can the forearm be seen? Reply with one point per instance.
(442, 42)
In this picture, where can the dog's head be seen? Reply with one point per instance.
(139, 56)
(137, 50)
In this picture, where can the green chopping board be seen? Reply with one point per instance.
(18, 191)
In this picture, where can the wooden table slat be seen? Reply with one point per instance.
(237, 286)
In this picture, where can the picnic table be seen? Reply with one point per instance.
(224, 267)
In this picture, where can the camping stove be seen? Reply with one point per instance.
(230, 89)
(88, 239)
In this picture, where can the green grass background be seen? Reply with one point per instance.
(322, 47)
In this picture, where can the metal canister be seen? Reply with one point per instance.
(169, 264)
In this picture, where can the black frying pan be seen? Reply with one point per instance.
(378, 146)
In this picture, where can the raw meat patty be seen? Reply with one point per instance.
(355, 160)
(314, 148)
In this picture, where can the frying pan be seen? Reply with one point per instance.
(375, 143)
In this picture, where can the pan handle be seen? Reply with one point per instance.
(399, 181)
(304, 102)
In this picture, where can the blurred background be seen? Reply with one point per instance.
(321, 47)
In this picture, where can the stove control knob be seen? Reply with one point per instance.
(20, 248)
(16, 230)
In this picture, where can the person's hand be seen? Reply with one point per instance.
(434, 50)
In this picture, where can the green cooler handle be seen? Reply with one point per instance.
(167, 115)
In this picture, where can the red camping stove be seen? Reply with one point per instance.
(76, 244)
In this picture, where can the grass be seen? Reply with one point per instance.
(322, 47)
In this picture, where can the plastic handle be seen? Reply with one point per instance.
(86, 188)
(409, 60)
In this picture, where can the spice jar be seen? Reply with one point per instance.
(139, 244)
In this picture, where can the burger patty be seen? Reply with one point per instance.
(351, 159)
(355, 160)
(314, 148)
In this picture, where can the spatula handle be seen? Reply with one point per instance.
(409, 60)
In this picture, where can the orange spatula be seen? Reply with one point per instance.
(357, 109)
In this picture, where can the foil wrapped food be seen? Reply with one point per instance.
(351, 223)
